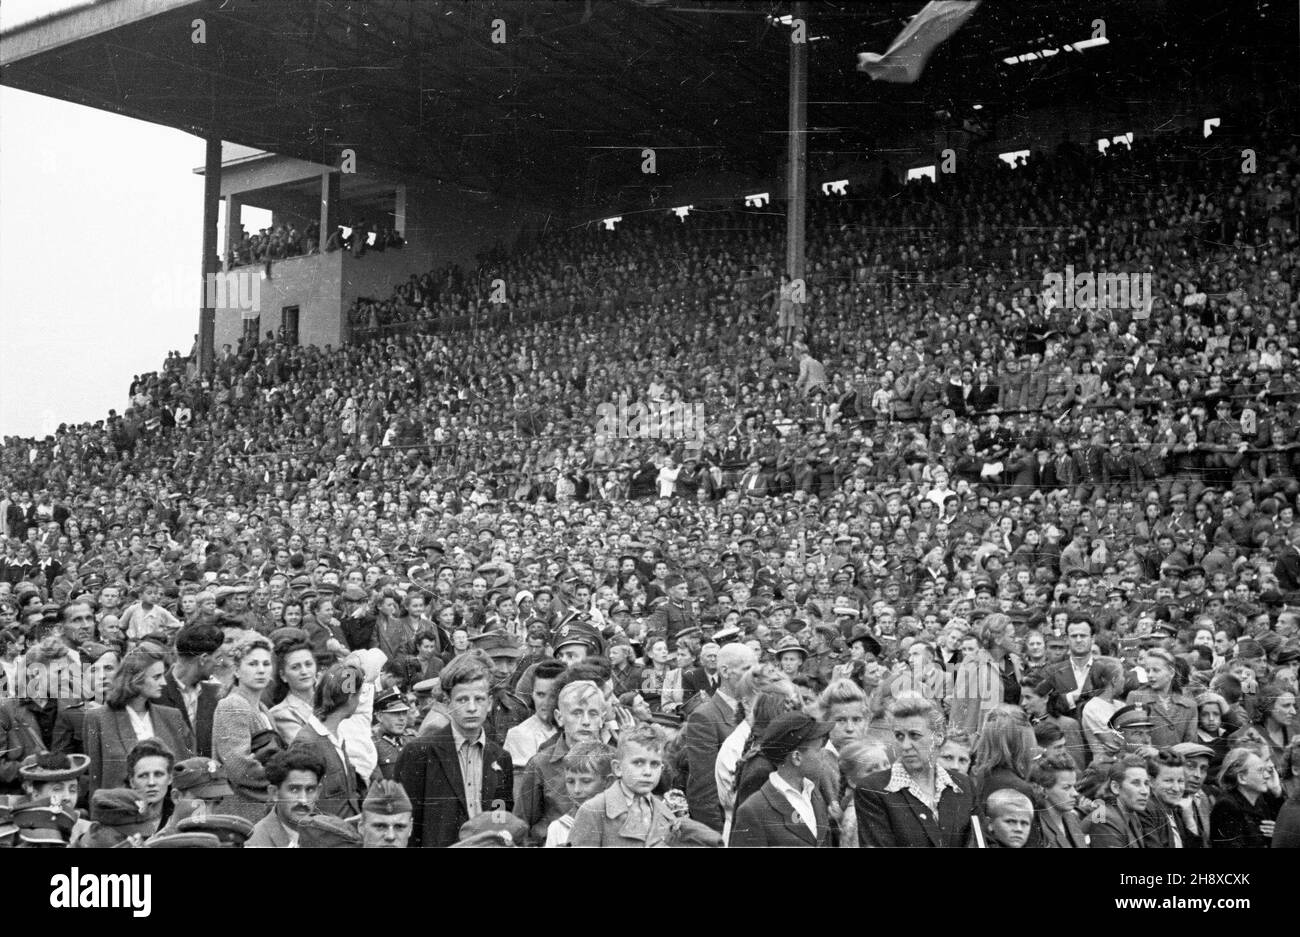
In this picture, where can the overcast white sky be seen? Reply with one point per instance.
(100, 244)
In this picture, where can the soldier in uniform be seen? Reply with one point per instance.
(1192, 595)
(198, 786)
(508, 708)
(1134, 723)
(821, 658)
(42, 824)
(576, 639)
(675, 614)
(390, 729)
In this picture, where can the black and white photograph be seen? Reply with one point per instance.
(685, 424)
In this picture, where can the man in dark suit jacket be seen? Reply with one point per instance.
(430, 767)
(706, 730)
(891, 815)
(697, 680)
(1059, 679)
(196, 649)
(701, 679)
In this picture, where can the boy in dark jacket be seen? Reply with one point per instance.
(788, 810)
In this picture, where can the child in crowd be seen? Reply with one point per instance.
(857, 760)
(954, 754)
(627, 813)
(1010, 818)
(586, 774)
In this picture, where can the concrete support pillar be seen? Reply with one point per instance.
(234, 208)
(211, 200)
(796, 173)
(329, 205)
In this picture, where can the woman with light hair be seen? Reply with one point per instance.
(242, 727)
(1245, 815)
(915, 802)
(763, 679)
(858, 759)
(1004, 758)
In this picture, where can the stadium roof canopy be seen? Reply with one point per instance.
(561, 110)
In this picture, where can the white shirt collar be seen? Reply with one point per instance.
(901, 780)
(785, 787)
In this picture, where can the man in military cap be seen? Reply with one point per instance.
(386, 816)
(391, 714)
(118, 815)
(576, 640)
(508, 708)
(232, 601)
(198, 786)
(42, 824)
(1133, 723)
(326, 831)
(1191, 593)
(677, 613)
(232, 832)
(821, 653)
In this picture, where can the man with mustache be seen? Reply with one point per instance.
(293, 780)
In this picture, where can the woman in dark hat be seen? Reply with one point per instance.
(54, 776)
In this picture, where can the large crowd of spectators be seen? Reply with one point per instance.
(948, 523)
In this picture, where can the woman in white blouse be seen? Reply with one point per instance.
(295, 665)
(239, 717)
(131, 714)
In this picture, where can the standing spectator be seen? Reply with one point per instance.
(337, 696)
(187, 686)
(706, 730)
(791, 742)
(241, 720)
(456, 773)
(132, 714)
(297, 673)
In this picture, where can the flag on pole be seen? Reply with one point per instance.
(906, 57)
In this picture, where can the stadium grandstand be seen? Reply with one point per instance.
(649, 345)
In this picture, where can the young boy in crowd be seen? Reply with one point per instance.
(1010, 815)
(586, 773)
(954, 754)
(627, 813)
(788, 810)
